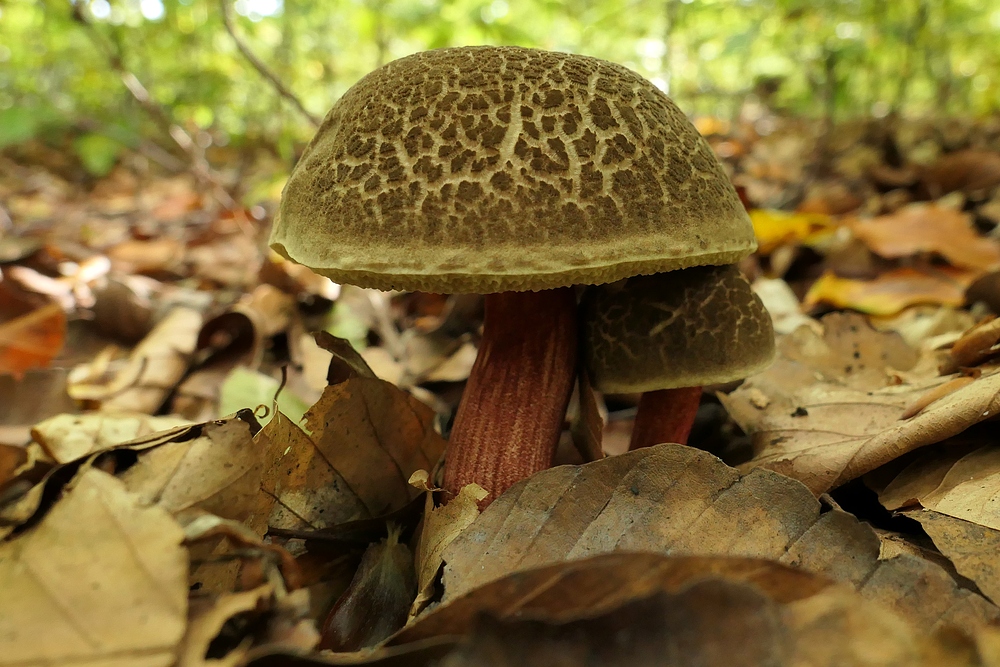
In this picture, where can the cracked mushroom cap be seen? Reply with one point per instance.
(687, 328)
(488, 169)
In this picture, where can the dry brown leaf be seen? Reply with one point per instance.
(929, 228)
(375, 436)
(441, 526)
(158, 363)
(967, 170)
(68, 437)
(158, 255)
(11, 459)
(206, 621)
(301, 490)
(892, 291)
(972, 548)
(692, 610)
(100, 580)
(677, 500)
(829, 418)
(959, 481)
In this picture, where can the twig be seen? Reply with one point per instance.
(199, 165)
(262, 69)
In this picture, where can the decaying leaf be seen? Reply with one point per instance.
(677, 500)
(301, 489)
(830, 416)
(375, 436)
(100, 580)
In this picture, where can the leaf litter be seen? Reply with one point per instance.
(176, 317)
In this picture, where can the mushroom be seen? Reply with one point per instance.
(514, 173)
(666, 335)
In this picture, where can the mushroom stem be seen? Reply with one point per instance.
(666, 415)
(511, 415)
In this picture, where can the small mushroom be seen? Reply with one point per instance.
(515, 173)
(666, 335)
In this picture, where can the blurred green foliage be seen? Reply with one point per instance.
(811, 57)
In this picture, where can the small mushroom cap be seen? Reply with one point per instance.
(686, 328)
(489, 169)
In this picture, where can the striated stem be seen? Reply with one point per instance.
(666, 415)
(512, 411)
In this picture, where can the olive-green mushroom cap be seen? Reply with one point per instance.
(687, 328)
(488, 169)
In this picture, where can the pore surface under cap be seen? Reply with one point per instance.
(485, 169)
(687, 328)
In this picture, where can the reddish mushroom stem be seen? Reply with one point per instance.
(666, 415)
(511, 415)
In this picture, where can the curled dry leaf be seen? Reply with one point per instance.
(892, 291)
(158, 363)
(929, 228)
(100, 580)
(831, 414)
(974, 347)
(676, 500)
(68, 437)
(969, 170)
(441, 525)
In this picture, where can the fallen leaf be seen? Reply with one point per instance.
(158, 363)
(100, 580)
(375, 436)
(972, 548)
(376, 603)
(929, 228)
(689, 610)
(777, 228)
(969, 170)
(301, 490)
(829, 420)
(962, 481)
(892, 291)
(11, 459)
(30, 339)
(441, 525)
(159, 255)
(676, 500)
(67, 437)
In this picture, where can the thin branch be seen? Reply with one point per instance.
(262, 69)
(199, 165)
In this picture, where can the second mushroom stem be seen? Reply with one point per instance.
(666, 415)
(511, 415)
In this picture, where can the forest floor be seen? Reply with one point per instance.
(197, 468)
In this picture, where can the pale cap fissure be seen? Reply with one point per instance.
(489, 169)
(686, 328)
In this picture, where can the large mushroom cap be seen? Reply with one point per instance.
(489, 169)
(687, 328)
